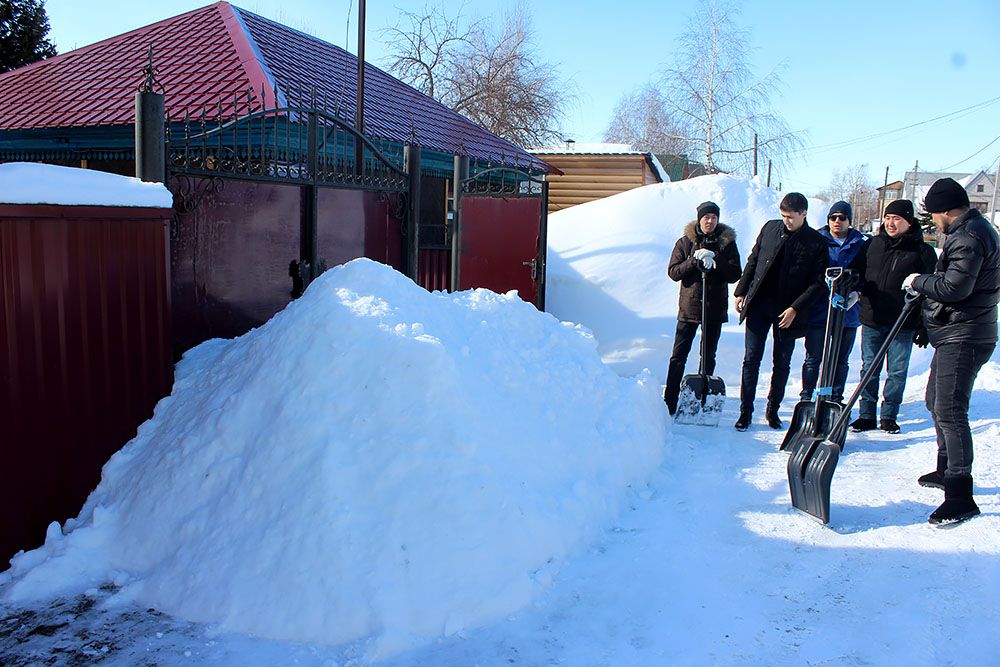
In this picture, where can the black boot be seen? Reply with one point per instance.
(958, 503)
(935, 480)
(889, 425)
(863, 424)
(773, 420)
(743, 423)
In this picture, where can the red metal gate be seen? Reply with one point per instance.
(500, 244)
(502, 233)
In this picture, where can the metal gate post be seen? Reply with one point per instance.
(543, 243)
(411, 162)
(461, 173)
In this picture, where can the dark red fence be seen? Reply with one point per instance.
(85, 344)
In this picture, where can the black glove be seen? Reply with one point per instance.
(920, 337)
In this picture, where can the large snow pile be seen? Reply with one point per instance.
(607, 265)
(30, 183)
(375, 463)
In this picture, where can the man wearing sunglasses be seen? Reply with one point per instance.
(843, 243)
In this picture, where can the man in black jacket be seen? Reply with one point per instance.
(884, 261)
(783, 276)
(707, 245)
(960, 313)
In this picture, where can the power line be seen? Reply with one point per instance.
(951, 116)
(971, 156)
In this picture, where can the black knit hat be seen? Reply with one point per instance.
(707, 207)
(901, 207)
(945, 195)
(843, 208)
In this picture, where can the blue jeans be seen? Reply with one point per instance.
(815, 337)
(897, 364)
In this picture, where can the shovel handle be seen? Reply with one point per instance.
(911, 301)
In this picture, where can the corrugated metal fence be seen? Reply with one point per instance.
(85, 352)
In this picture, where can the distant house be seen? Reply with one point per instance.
(889, 193)
(680, 167)
(595, 171)
(979, 185)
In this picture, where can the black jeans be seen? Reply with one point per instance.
(762, 318)
(949, 387)
(678, 358)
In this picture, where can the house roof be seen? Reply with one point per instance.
(219, 52)
(606, 149)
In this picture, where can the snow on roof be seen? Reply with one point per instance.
(30, 183)
(377, 463)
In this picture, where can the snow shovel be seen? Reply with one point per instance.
(814, 417)
(813, 460)
(702, 396)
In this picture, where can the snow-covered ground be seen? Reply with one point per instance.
(481, 490)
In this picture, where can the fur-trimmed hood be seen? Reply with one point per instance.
(724, 233)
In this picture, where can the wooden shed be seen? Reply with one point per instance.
(597, 171)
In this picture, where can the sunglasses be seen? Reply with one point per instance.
(838, 217)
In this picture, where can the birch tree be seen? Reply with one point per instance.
(713, 92)
(643, 120)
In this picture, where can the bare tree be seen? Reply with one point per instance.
(853, 185)
(712, 89)
(490, 74)
(642, 119)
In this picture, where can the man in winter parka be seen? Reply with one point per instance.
(843, 244)
(895, 252)
(706, 245)
(783, 276)
(960, 313)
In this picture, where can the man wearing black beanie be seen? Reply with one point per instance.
(710, 246)
(960, 313)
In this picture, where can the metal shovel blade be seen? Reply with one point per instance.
(804, 423)
(701, 400)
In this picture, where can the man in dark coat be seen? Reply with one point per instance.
(960, 313)
(707, 245)
(783, 276)
(843, 243)
(895, 252)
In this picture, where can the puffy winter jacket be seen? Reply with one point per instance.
(841, 254)
(683, 268)
(963, 291)
(801, 278)
(884, 262)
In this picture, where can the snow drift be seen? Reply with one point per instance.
(376, 462)
(30, 183)
(607, 266)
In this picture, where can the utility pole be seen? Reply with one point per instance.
(768, 173)
(754, 153)
(916, 180)
(881, 197)
(996, 188)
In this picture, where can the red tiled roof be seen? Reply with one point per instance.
(215, 53)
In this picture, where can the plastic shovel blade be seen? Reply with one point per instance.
(800, 452)
(805, 424)
(701, 400)
(817, 480)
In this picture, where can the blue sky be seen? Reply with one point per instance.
(850, 69)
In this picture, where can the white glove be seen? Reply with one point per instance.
(853, 298)
(908, 283)
(701, 254)
(708, 263)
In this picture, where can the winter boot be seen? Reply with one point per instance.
(863, 424)
(743, 423)
(888, 425)
(773, 420)
(935, 480)
(958, 503)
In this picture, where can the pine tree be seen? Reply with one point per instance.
(23, 29)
